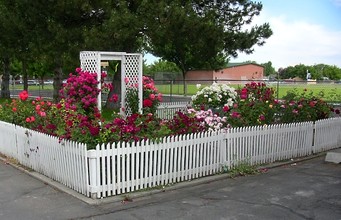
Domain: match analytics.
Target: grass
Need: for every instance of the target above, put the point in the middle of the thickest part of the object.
(242, 168)
(332, 92)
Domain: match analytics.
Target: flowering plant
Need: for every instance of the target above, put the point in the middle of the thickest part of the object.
(214, 96)
(184, 123)
(211, 121)
(254, 106)
(306, 106)
(25, 112)
(150, 99)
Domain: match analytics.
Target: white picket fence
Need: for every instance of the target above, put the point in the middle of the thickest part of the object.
(113, 169)
(62, 161)
(327, 134)
(166, 110)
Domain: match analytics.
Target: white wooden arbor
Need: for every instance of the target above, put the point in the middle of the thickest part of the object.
(131, 69)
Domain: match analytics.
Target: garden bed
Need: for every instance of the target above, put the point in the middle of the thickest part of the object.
(113, 169)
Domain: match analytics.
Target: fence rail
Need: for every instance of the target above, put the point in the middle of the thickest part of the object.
(113, 169)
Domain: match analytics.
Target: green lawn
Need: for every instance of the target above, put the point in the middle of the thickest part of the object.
(332, 92)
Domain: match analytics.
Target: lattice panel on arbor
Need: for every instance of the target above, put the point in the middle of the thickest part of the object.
(132, 79)
(89, 61)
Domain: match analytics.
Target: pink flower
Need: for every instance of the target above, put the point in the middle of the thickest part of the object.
(152, 96)
(235, 115)
(23, 95)
(114, 98)
(159, 97)
(126, 80)
(295, 111)
(42, 114)
(28, 120)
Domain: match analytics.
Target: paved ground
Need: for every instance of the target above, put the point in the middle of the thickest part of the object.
(307, 190)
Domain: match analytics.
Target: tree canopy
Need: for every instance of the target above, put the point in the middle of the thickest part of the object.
(202, 34)
(192, 34)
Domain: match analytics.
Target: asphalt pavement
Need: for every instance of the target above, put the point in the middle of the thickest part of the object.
(297, 190)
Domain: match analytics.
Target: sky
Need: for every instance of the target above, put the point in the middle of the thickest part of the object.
(304, 32)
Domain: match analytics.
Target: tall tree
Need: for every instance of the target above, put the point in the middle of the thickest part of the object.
(202, 33)
(121, 29)
(7, 47)
(268, 69)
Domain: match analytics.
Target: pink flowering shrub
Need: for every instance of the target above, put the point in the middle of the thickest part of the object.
(80, 90)
(302, 107)
(211, 121)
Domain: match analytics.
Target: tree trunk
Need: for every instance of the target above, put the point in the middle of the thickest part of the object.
(5, 93)
(116, 82)
(24, 72)
(57, 81)
(185, 83)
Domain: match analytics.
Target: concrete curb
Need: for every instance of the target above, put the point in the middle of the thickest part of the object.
(148, 192)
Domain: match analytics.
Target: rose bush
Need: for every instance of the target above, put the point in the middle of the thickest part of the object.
(215, 96)
(77, 118)
(295, 107)
(254, 106)
(151, 98)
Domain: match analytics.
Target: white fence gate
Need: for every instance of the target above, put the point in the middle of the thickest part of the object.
(166, 110)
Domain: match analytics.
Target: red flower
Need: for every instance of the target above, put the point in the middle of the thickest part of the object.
(312, 103)
(147, 103)
(261, 117)
(226, 108)
(243, 93)
(23, 95)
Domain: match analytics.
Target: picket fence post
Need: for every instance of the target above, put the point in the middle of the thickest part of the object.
(223, 148)
(92, 166)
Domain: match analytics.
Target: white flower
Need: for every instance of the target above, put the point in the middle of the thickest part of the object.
(198, 86)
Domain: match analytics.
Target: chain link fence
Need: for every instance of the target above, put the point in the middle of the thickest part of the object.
(329, 90)
(182, 90)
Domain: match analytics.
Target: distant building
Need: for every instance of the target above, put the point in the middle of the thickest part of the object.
(234, 71)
